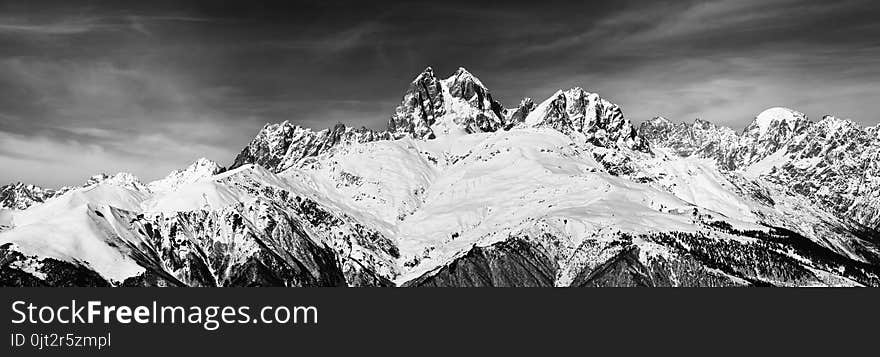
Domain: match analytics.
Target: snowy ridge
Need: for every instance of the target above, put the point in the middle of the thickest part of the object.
(581, 112)
(20, 196)
(122, 179)
(462, 192)
(200, 170)
(284, 145)
(775, 117)
(831, 162)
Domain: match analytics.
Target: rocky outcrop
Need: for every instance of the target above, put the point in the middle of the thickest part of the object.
(20, 196)
(200, 170)
(512, 263)
(517, 116)
(122, 179)
(699, 138)
(667, 259)
(278, 147)
(836, 163)
(578, 111)
(19, 270)
(432, 107)
(833, 162)
(422, 104)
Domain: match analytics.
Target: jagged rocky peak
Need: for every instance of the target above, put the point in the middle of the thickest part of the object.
(421, 106)
(829, 133)
(199, 170)
(579, 111)
(661, 129)
(122, 179)
(203, 164)
(700, 124)
(278, 147)
(834, 162)
(874, 131)
(659, 121)
(701, 137)
(21, 196)
(831, 125)
(657, 129)
(777, 123)
(457, 104)
(464, 85)
(516, 116)
(768, 133)
(661, 132)
(708, 131)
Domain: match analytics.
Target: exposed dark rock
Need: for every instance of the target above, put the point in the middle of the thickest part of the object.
(281, 146)
(54, 273)
(506, 264)
(20, 196)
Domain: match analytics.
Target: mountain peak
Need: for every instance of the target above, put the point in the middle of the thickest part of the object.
(516, 116)
(461, 78)
(830, 119)
(660, 121)
(457, 104)
(20, 196)
(426, 75)
(703, 124)
(461, 72)
(202, 161)
(199, 170)
(578, 111)
(121, 179)
(778, 116)
(278, 147)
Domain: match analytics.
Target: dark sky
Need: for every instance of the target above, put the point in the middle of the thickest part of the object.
(147, 86)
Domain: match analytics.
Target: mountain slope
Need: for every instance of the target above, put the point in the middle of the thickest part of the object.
(281, 146)
(200, 170)
(462, 192)
(832, 162)
(456, 198)
(20, 196)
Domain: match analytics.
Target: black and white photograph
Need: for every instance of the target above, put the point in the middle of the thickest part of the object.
(650, 144)
(153, 145)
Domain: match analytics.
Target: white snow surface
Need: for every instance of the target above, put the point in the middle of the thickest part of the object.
(698, 181)
(74, 234)
(200, 170)
(104, 193)
(766, 165)
(439, 198)
(435, 199)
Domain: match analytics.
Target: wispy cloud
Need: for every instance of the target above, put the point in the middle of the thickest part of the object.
(129, 119)
(336, 41)
(52, 162)
(68, 26)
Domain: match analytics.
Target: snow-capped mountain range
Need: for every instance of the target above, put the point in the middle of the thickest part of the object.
(461, 191)
(834, 162)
